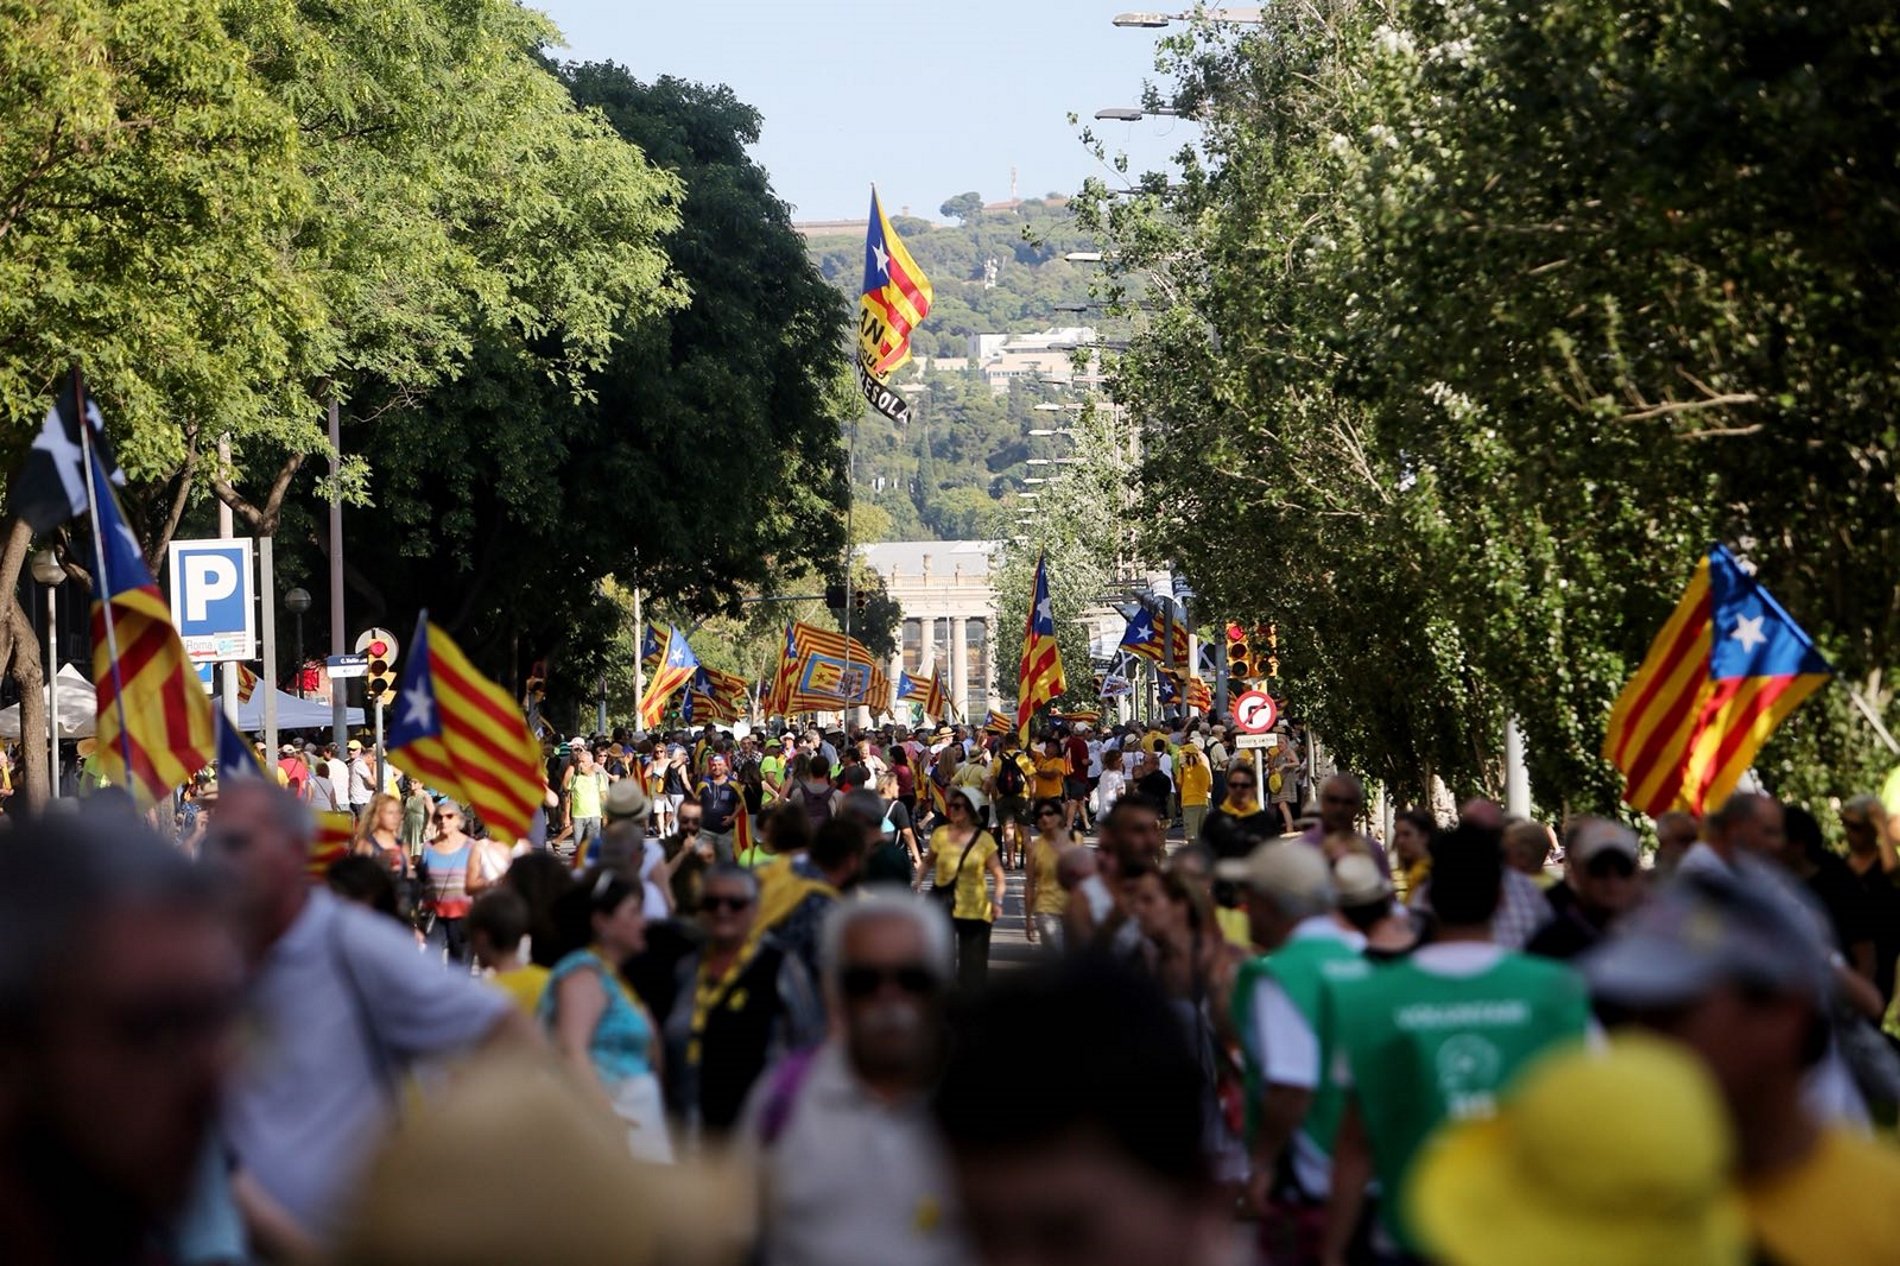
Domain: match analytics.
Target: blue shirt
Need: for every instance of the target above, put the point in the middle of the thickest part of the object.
(622, 1037)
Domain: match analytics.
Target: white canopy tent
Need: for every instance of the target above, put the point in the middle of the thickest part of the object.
(292, 713)
(77, 707)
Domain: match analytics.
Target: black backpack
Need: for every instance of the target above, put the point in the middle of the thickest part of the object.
(1009, 777)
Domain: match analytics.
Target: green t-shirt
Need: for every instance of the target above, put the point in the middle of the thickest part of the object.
(772, 770)
(1419, 1048)
(1303, 968)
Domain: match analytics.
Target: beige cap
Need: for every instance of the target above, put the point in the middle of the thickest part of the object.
(625, 800)
(1287, 867)
(1359, 882)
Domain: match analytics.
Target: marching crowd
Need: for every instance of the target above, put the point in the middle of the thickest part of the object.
(732, 1000)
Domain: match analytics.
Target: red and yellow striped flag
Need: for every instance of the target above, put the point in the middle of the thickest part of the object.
(1728, 667)
(335, 833)
(154, 727)
(1039, 678)
(461, 734)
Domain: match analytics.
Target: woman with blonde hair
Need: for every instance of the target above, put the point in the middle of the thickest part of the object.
(379, 834)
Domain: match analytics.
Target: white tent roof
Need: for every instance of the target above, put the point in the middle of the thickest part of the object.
(78, 707)
(292, 713)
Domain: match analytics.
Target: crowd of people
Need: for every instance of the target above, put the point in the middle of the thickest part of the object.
(731, 1000)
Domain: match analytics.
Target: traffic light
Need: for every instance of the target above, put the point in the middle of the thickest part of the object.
(860, 600)
(834, 597)
(1241, 662)
(379, 681)
(1271, 634)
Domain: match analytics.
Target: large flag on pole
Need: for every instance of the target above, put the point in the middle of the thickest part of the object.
(895, 300)
(937, 698)
(1140, 637)
(778, 700)
(461, 734)
(1039, 677)
(155, 727)
(1726, 670)
(675, 670)
(831, 672)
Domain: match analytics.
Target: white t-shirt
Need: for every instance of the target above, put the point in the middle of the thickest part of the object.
(1095, 758)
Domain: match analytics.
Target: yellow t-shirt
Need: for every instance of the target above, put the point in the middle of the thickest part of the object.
(1050, 898)
(973, 899)
(1840, 1205)
(1050, 771)
(1234, 927)
(1196, 782)
(524, 984)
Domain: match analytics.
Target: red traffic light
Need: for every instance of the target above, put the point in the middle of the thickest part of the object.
(377, 649)
(1236, 634)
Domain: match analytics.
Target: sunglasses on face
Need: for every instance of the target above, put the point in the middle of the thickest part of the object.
(862, 982)
(1603, 865)
(448, 817)
(1048, 813)
(713, 905)
(1240, 784)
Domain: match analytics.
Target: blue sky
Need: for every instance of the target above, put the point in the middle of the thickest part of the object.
(928, 99)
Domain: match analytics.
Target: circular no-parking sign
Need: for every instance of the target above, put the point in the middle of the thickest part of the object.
(1255, 712)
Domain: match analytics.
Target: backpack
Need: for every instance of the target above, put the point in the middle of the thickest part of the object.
(817, 808)
(1009, 778)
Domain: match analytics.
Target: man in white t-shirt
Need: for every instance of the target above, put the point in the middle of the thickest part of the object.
(362, 778)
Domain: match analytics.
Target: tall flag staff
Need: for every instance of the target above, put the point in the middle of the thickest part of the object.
(1039, 677)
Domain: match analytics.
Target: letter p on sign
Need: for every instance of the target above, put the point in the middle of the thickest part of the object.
(208, 578)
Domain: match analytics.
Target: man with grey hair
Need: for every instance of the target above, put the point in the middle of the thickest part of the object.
(339, 1002)
(1291, 1101)
(853, 1170)
(119, 989)
(1747, 825)
(1342, 798)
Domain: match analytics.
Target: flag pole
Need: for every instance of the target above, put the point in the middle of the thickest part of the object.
(99, 577)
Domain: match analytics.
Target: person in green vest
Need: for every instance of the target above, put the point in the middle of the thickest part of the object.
(1292, 1106)
(1435, 1037)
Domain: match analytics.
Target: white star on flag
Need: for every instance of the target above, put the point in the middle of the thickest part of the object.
(1748, 632)
(420, 712)
(883, 258)
(1044, 613)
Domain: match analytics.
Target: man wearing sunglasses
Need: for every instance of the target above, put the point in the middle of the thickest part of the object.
(1600, 872)
(741, 1005)
(851, 1163)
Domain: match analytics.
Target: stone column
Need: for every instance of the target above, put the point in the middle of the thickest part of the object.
(926, 636)
(960, 665)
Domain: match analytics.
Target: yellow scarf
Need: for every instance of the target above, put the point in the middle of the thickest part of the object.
(707, 993)
(1242, 808)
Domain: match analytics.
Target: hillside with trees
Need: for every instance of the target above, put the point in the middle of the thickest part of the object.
(958, 469)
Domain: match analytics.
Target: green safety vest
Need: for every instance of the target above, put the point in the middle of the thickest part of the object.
(1302, 968)
(1424, 1049)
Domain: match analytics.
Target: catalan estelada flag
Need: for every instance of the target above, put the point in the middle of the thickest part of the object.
(651, 647)
(1039, 677)
(461, 734)
(998, 722)
(1140, 637)
(675, 670)
(911, 689)
(1198, 695)
(155, 726)
(717, 696)
(778, 700)
(1727, 668)
(236, 759)
(895, 300)
(335, 833)
(937, 698)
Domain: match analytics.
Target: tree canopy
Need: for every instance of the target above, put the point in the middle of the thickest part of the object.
(1486, 321)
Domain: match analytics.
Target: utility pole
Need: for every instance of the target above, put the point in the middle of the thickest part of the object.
(339, 697)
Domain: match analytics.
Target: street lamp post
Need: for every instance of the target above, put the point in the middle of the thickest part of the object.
(297, 601)
(49, 573)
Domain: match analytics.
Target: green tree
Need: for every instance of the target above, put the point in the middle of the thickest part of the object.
(964, 207)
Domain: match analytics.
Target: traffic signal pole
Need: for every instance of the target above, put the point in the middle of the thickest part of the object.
(339, 696)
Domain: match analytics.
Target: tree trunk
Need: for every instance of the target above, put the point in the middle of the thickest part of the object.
(30, 677)
(20, 651)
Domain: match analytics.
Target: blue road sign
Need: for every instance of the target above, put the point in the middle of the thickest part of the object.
(214, 599)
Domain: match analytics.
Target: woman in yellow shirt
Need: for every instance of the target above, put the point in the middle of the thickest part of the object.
(1051, 768)
(960, 852)
(1044, 899)
(1194, 779)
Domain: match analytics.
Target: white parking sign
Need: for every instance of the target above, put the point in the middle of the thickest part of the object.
(214, 599)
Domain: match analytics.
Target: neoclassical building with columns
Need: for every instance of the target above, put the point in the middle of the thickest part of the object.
(949, 603)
